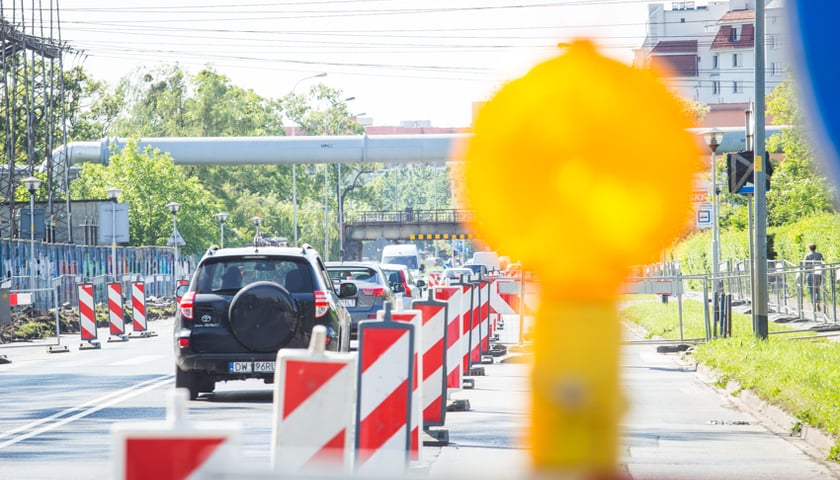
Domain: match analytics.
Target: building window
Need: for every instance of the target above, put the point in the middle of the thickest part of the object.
(772, 42)
(736, 59)
(775, 68)
(733, 34)
(737, 87)
(715, 87)
(715, 62)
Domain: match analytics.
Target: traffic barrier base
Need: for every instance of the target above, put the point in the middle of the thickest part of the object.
(4, 360)
(477, 371)
(487, 359)
(58, 349)
(90, 345)
(438, 437)
(118, 338)
(143, 334)
(460, 405)
(468, 383)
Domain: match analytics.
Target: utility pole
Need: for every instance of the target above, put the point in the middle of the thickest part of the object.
(759, 181)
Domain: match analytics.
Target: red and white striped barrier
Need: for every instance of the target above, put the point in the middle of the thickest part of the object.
(314, 392)
(433, 354)
(452, 296)
(175, 448)
(138, 311)
(87, 317)
(484, 315)
(471, 326)
(415, 318)
(116, 316)
(17, 299)
(383, 417)
(505, 297)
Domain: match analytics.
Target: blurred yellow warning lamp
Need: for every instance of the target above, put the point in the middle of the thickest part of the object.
(596, 167)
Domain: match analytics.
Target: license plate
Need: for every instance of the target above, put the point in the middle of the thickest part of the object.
(251, 367)
(348, 302)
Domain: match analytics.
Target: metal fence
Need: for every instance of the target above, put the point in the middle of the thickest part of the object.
(796, 292)
(42, 267)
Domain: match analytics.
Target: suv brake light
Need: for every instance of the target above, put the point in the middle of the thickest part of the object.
(322, 303)
(374, 291)
(186, 305)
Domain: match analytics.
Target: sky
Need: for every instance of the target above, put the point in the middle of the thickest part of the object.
(401, 60)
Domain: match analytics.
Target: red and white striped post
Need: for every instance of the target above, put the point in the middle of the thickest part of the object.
(433, 353)
(383, 404)
(176, 448)
(415, 318)
(116, 316)
(314, 392)
(138, 311)
(452, 296)
(87, 318)
(484, 316)
(472, 355)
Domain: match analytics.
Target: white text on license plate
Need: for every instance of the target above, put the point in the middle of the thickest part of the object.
(348, 302)
(251, 367)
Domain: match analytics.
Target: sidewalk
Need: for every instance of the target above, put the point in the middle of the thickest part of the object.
(677, 426)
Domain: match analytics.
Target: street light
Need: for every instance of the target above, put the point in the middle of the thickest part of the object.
(113, 194)
(32, 184)
(713, 139)
(257, 222)
(338, 187)
(294, 166)
(175, 239)
(222, 218)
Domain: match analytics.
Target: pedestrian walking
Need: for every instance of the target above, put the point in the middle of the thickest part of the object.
(813, 274)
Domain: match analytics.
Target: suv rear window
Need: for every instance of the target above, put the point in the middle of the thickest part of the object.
(231, 274)
(363, 274)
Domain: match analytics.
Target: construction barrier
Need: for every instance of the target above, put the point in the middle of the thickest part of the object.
(314, 392)
(433, 354)
(87, 317)
(415, 318)
(138, 308)
(452, 296)
(484, 316)
(470, 333)
(18, 299)
(383, 402)
(175, 448)
(116, 316)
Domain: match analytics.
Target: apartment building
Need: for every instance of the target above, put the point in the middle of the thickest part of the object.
(707, 50)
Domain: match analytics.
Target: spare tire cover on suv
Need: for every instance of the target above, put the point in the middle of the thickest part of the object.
(263, 316)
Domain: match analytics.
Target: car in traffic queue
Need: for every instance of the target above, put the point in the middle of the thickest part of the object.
(244, 304)
(455, 275)
(372, 289)
(402, 281)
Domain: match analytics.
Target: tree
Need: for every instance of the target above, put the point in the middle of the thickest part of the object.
(149, 180)
(799, 188)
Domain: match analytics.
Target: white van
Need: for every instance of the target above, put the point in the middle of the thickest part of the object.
(488, 259)
(404, 254)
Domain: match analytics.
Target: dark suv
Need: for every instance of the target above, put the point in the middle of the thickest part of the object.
(244, 304)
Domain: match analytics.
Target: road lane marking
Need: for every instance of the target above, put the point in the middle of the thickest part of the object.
(37, 427)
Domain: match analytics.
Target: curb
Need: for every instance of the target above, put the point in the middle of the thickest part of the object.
(769, 415)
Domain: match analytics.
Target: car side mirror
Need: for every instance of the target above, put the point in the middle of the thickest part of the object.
(181, 290)
(347, 289)
(421, 283)
(397, 288)
(422, 267)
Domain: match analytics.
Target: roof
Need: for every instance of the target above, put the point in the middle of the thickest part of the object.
(723, 39)
(675, 46)
(738, 16)
(251, 251)
(677, 65)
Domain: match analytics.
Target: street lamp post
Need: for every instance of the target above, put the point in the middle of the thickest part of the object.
(114, 194)
(257, 238)
(222, 218)
(176, 239)
(338, 186)
(713, 139)
(32, 184)
(294, 166)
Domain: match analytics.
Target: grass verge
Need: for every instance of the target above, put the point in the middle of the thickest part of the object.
(800, 376)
